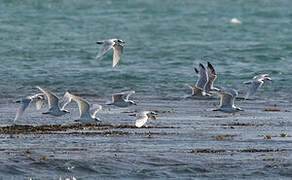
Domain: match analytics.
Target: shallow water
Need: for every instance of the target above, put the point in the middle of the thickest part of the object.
(52, 44)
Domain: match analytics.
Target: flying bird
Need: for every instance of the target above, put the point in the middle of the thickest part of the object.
(38, 99)
(211, 79)
(143, 118)
(53, 101)
(116, 44)
(84, 109)
(198, 89)
(256, 82)
(227, 101)
(122, 99)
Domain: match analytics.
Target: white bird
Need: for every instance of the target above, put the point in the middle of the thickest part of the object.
(198, 89)
(84, 109)
(122, 99)
(256, 82)
(143, 118)
(235, 21)
(116, 44)
(38, 99)
(227, 101)
(53, 101)
(211, 79)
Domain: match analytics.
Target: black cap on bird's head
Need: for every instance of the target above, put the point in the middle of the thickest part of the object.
(132, 102)
(120, 41)
(65, 111)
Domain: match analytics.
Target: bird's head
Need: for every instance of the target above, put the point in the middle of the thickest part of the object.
(268, 79)
(65, 111)
(97, 119)
(132, 102)
(119, 41)
(239, 109)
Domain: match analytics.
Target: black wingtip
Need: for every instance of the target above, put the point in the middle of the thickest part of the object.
(196, 70)
(201, 65)
(211, 67)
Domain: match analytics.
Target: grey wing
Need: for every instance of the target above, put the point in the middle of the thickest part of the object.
(67, 98)
(83, 105)
(118, 52)
(226, 100)
(107, 45)
(211, 78)
(211, 73)
(127, 94)
(117, 97)
(195, 90)
(22, 108)
(53, 100)
(39, 104)
(202, 80)
(142, 119)
(253, 88)
(98, 108)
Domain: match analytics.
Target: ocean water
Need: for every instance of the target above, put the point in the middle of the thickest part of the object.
(52, 44)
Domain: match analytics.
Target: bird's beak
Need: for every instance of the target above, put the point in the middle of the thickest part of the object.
(98, 42)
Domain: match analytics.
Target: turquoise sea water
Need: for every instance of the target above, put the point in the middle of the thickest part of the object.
(52, 44)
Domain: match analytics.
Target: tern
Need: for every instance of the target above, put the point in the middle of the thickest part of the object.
(38, 99)
(198, 89)
(211, 79)
(53, 101)
(116, 44)
(84, 109)
(143, 118)
(227, 101)
(122, 99)
(256, 82)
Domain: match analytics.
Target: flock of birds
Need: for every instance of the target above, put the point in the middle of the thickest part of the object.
(204, 88)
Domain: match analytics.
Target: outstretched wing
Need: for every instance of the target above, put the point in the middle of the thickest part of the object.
(53, 100)
(39, 104)
(107, 45)
(195, 90)
(98, 108)
(24, 104)
(253, 88)
(211, 77)
(117, 97)
(142, 119)
(83, 106)
(38, 99)
(67, 98)
(118, 52)
(202, 80)
(227, 98)
(127, 94)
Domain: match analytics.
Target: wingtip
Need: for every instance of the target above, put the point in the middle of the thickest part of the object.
(201, 65)
(210, 66)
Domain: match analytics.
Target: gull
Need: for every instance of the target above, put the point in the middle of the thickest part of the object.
(84, 109)
(198, 89)
(38, 99)
(53, 101)
(211, 79)
(116, 44)
(143, 117)
(122, 99)
(256, 82)
(227, 101)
